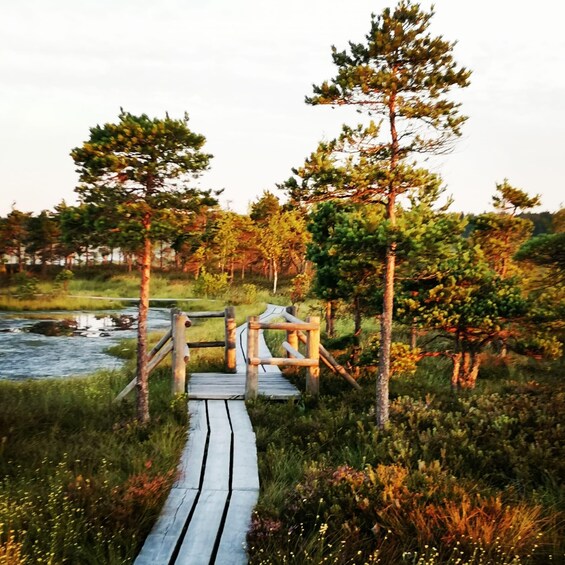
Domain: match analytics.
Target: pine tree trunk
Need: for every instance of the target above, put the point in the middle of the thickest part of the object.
(386, 340)
(468, 379)
(357, 316)
(142, 375)
(383, 376)
(455, 371)
(20, 260)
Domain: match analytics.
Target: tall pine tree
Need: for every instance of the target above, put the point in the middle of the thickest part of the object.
(137, 172)
(403, 74)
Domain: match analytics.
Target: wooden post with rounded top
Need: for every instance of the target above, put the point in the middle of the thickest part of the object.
(252, 374)
(230, 332)
(180, 353)
(313, 352)
(292, 335)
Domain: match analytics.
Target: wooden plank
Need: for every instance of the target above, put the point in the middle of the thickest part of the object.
(245, 473)
(290, 318)
(204, 344)
(284, 361)
(239, 417)
(160, 344)
(251, 381)
(217, 473)
(190, 466)
(152, 364)
(238, 521)
(165, 350)
(313, 352)
(221, 395)
(288, 326)
(198, 543)
(230, 340)
(292, 351)
(161, 542)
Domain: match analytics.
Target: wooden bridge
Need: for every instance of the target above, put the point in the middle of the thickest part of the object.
(208, 513)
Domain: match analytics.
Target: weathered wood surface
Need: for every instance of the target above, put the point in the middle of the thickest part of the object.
(208, 513)
(271, 383)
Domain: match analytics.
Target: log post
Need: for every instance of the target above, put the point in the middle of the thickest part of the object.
(230, 331)
(291, 335)
(252, 380)
(179, 351)
(313, 352)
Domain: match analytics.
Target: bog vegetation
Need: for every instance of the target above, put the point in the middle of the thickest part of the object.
(453, 324)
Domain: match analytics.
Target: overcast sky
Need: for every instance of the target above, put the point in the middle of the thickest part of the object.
(241, 69)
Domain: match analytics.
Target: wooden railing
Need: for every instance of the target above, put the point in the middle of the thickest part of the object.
(174, 341)
(326, 357)
(311, 328)
(297, 330)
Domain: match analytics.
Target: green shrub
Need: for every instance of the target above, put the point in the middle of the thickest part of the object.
(26, 286)
(211, 285)
(64, 277)
(243, 294)
(82, 482)
(476, 478)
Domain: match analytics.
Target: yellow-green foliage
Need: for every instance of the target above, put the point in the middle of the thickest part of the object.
(210, 285)
(403, 359)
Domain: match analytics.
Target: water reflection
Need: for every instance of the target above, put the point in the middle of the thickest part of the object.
(30, 349)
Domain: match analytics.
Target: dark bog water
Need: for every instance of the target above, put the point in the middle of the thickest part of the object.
(61, 344)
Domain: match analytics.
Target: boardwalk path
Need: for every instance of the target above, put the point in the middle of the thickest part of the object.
(208, 512)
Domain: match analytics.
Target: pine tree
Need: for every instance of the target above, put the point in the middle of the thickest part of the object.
(136, 171)
(402, 74)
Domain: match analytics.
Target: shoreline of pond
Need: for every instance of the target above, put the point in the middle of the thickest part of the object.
(79, 352)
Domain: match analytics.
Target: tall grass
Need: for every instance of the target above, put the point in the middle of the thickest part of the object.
(175, 287)
(81, 481)
(475, 478)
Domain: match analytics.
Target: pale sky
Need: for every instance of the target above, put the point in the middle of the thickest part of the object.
(241, 69)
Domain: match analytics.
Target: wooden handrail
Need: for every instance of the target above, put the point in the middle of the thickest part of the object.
(215, 314)
(160, 344)
(332, 364)
(288, 326)
(174, 341)
(204, 344)
(296, 359)
(291, 350)
(283, 361)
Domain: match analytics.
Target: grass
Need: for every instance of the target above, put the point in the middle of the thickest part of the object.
(81, 482)
(473, 479)
(469, 479)
(48, 295)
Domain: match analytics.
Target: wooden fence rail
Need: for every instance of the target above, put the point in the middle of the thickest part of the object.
(311, 360)
(326, 357)
(174, 341)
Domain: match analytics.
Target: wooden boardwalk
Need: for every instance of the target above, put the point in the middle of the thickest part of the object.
(231, 387)
(208, 512)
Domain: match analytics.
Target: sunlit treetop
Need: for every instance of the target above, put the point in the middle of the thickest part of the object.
(511, 200)
(401, 70)
(140, 159)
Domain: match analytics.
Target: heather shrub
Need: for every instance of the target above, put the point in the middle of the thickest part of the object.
(475, 478)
